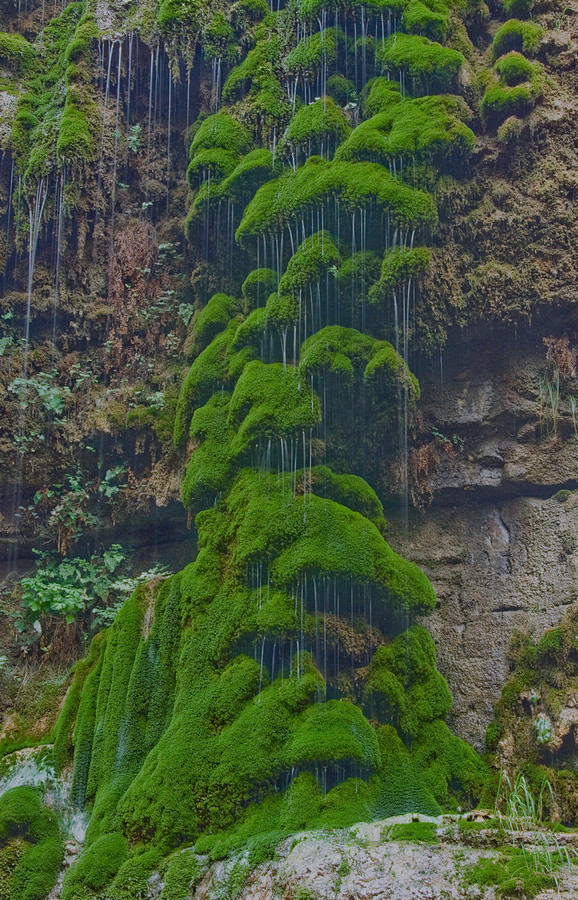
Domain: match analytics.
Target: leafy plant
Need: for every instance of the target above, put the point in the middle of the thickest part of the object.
(111, 484)
(42, 391)
(67, 587)
(134, 137)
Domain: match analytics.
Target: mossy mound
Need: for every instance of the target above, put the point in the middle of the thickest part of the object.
(516, 35)
(31, 846)
(430, 65)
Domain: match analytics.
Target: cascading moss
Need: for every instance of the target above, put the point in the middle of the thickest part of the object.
(280, 202)
(55, 123)
(279, 681)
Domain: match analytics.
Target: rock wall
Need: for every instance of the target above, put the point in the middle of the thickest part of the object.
(499, 540)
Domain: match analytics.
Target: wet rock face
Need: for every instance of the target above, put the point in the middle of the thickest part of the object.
(502, 554)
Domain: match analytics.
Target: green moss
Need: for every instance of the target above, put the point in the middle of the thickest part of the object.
(254, 74)
(516, 35)
(521, 9)
(221, 131)
(228, 178)
(343, 351)
(206, 375)
(33, 865)
(56, 120)
(258, 285)
(10, 853)
(403, 787)
(317, 128)
(209, 470)
(62, 732)
(404, 686)
(16, 53)
(425, 832)
(75, 137)
(311, 53)
(183, 12)
(96, 868)
(512, 874)
(378, 95)
(212, 162)
(182, 872)
(213, 319)
(355, 185)
(131, 880)
(421, 19)
(340, 89)
(205, 715)
(500, 101)
(430, 65)
(270, 402)
(349, 490)
(514, 68)
(414, 131)
(550, 644)
(311, 261)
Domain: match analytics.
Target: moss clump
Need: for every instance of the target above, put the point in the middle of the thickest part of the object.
(213, 319)
(514, 68)
(16, 53)
(311, 53)
(131, 880)
(258, 285)
(431, 66)
(516, 35)
(404, 685)
(255, 87)
(96, 868)
(181, 873)
(378, 95)
(225, 178)
(399, 266)
(520, 9)
(345, 351)
(216, 148)
(349, 490)
(340, 89)
(31, 845)
(311, 261)
(420, 18)
(501, 102)
(317, 128)
(419, 131)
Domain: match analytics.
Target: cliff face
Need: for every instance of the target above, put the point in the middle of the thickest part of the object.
(499, 538)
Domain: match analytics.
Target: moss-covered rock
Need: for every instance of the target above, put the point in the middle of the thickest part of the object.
(31, 845)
